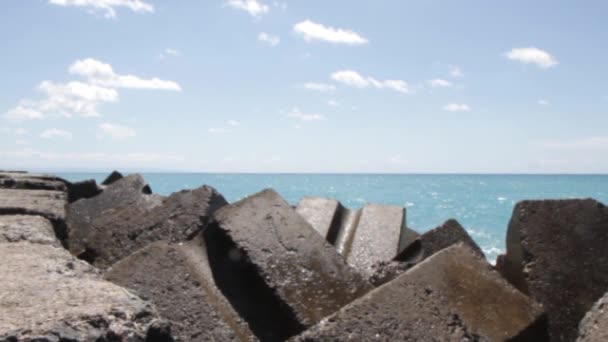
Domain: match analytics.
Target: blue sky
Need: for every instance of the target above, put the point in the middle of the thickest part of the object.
(304, 86)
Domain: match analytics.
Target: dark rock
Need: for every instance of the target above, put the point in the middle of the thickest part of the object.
(31, 181)
(385, 271)
(112, 177)
(33, 229)
(431, 242)
(121, 231)
(594, 326)
(455, 295)
(178, 281)
(83, 189)
(263, 253)
(556, 253)
(159, 331)
(377, 236)
(48, 295)
(129, 191)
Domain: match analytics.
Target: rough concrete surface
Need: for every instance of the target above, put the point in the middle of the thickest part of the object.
(34, 229)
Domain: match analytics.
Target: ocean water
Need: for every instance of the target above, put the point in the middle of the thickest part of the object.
(481, 203)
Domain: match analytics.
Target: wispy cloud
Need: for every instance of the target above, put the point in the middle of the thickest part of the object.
(104, 159)
(253, 7)
(322, 87)
(439, 83)
(597, 142)
(169, 52)
(333, 103)
(457, 107)
(234, 123)
(218, 130)
(56, 133)
(106, 7)
(297, 114)
(269, 39)
(354, 79)
(532, 55)
(456, 71)
(16, 131)
(116, 132)
(543, 103)
(77, 98)
(313, 31)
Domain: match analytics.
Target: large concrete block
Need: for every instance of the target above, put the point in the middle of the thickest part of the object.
(121, 231)
(31, 181)
(260, 245)
(594, 326)
(128, 191)
(47, 203)
(376, 237)
(323, 214)
(177, 279)
(33, 229)
(431, 242)
(455, 295)
(48, 295)
(556, 253)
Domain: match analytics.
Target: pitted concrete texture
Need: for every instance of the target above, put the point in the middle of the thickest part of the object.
(31, 181)
(48, 295)
(121, 231)
(556, 253)
(177, 279)
(594, 326)
(321, 213)
(47, 203)
(265, 236)
(452, 296)
(376, 237)
(131, 190)
(34, 229)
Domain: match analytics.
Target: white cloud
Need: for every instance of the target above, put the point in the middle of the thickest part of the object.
(100, 73)
(397, 159)
(21, 142)
(84, 158)
(107, 7)
(354, 79)
(439, 83)
(457, 107)
(169, 52)
(233, 123)
(83, 98)
(297, 114)
(269, 39)
(456, 72)
(313, 31)
(541, 58)
(116, 132)
(544, 103)
(322, 87)
(598, 142)
(280, 5)
(21, 113)
(56, 133)
(16, 131)
(333, 103)
(253, 7)
(218, 130)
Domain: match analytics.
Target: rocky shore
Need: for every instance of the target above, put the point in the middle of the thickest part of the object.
(116, 262)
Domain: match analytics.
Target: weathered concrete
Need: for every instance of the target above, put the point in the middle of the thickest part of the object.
(31, 181)
(323, 214)
(123, 230)
(48, 295)
(594, 326)
(261, 245)
(377, 236)
(452, 296)
(128, 191)
(34, 229)
(431, 242)
(556, 253)
(177, 279)
(46, 203)
(385, 271)
(112, 177)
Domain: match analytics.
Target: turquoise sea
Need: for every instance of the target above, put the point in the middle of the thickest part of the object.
(481, 203)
